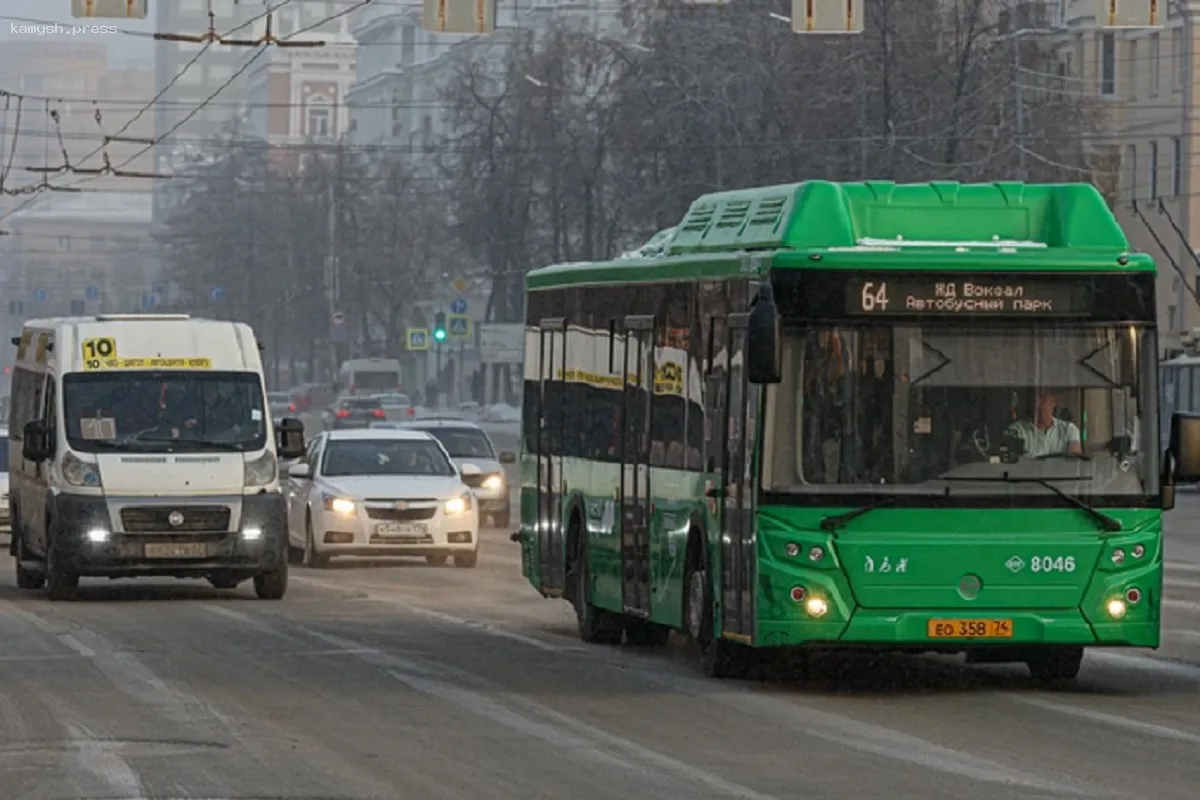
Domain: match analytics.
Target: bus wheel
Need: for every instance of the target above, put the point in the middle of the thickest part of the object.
(719, 658)
(596, 625)
(1053, 664)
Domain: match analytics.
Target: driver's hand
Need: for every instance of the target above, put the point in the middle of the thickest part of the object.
(174, 433)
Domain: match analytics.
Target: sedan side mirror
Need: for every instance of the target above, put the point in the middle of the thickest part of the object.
(470, 470)
(508, 457)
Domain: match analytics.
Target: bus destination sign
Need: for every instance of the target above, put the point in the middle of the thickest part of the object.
(955, 295)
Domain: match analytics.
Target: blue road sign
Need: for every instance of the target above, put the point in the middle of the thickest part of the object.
(458, 326)
(92, 293)
(218, 294)
(39, 295)
(148, 300)
(458, 306)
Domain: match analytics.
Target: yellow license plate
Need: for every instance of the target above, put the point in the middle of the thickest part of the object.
(176, 550)
(969, 629)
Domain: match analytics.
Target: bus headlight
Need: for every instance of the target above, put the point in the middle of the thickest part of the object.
(261, 471)
(78, 472)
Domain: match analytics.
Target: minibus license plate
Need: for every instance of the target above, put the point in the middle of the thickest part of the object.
(969, 629)
(176, 550)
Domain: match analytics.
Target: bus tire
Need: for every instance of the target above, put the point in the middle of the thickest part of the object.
(1055, 664)
(719, 657)
(596, 625)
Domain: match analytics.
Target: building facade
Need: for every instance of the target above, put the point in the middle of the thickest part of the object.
(71, 253)
(1146, 81)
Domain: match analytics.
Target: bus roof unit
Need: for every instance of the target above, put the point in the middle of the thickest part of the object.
(878, 225)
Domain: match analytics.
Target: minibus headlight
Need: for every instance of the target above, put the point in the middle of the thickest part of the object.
(261, 471)
(78, 472)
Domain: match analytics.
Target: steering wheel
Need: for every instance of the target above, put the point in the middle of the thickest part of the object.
(982, 442)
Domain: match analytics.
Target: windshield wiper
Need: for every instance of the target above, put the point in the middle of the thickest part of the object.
(232, 447)
(835, 521)
(1110, 524)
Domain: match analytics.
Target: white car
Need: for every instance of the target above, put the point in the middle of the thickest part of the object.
(376, 492)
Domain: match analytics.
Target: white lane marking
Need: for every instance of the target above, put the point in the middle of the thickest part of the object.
(1182, 605)
(105, 763)
(1179, 583)
(861, 736)
(564, 732)
(1113, 720)
(1182, 633)
(1181, 566)
(382, 596)
(1147, 663)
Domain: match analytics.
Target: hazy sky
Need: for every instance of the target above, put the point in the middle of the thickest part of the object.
(122, 49)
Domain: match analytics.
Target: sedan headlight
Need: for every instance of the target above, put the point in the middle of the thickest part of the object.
(493, 482)
(339, 505)
(78, 472)
(261, 471)
(459, 505)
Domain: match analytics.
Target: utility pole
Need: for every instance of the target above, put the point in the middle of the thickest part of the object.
(331, 261)
(1019, 109)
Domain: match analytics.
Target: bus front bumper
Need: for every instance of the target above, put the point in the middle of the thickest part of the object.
(955, 631)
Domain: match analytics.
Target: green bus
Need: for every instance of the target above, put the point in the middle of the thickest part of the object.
(917, 417)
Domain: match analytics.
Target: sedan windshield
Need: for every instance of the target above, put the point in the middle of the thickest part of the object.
(978, 410)
(385, 457)
(164, 411)
(463, 442)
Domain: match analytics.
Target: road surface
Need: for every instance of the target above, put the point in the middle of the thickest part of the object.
(397, 682)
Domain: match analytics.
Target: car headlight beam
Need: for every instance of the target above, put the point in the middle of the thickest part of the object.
(459, 505)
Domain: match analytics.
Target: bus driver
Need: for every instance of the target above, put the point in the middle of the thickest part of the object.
(1046, 434)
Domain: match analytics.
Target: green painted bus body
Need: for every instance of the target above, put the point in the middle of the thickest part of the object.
(764, 234)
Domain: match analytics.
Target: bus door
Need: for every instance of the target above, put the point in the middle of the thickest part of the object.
(552, 359)
(740, 412)
(638, 395)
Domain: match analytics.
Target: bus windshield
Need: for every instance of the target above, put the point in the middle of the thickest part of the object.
(164, 411)
(985, 409)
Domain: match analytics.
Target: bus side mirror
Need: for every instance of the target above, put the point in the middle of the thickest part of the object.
(1184, 448)
(36, 445)
(763, 354)
(289, 438)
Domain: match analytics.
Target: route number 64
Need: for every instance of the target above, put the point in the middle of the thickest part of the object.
(1052, 564)
(874, 296)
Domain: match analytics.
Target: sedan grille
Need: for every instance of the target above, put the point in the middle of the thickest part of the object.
(157, 518)
(401, 514)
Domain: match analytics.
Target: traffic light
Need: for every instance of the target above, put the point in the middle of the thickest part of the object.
(439, 327)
